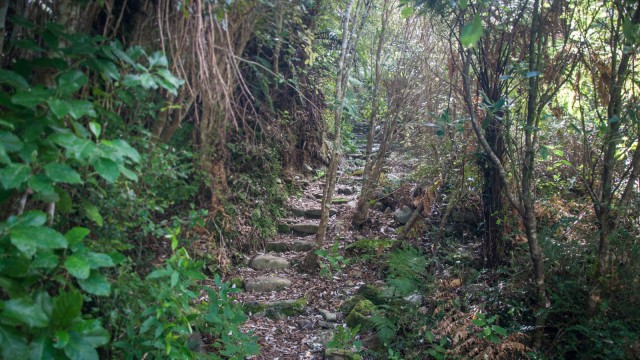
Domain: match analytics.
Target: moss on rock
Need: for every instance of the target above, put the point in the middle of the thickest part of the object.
(371, 293)
(360, 315)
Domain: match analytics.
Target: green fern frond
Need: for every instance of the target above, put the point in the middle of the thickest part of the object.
(386, 329)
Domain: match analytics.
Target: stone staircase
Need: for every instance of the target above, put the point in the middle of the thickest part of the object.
(294, 314)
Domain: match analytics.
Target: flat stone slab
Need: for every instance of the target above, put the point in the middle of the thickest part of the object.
(278, 246)
(328, 315)
(268, 262)
(305, 229)
(317, 213)
(266, 284)
(297, 211)
(302, 245)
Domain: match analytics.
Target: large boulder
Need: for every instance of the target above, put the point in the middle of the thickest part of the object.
(268, 262)
(266, 284)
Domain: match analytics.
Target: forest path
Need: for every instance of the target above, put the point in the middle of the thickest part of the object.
(294, 314)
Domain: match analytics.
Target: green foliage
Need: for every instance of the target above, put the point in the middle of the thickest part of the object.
(346, 339)
(335, 262)
(489, 330)
(471, 32)
(164, 315)
(406, 272)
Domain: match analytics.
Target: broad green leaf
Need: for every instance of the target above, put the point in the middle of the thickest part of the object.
(13, 175)
(58, 107)
(98, 260)
(62, 339)
(71, 81)
(76, 235)
(107, 168)
(4, 158)
(10, 142)
(175, 277)
(158, 59)
(544, 152)
(95, 284)
(80, 108)
(532, 74)
(30, 98)
(107, 68)
(77, 266)
(499, 330)
(471, 32)
(33, 218)
(13, 344)
(93, 214)
(126, 150)
(147, 82)
(66, 308)
(91, 332)
(41, 348)
(128, 173)
(41, 184)
(13, 79)
(25, 311)
(28, 238)
(95, 128)
(62, 173)
(45, 259)
(463, 4)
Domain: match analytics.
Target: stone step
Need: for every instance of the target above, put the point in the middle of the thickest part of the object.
(266, 284)
(268, 262)
(277, 309)
(305, 228)
(297, 245)
(316, 213)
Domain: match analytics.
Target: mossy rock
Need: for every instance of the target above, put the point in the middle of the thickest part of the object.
(238, 282)
(280, 309)
(284, 228)
(358, 172)
(371, 245)
(371, 293)
(253, 307)
(339, 201)
(360, 315)
(350, 303)
(341, 354)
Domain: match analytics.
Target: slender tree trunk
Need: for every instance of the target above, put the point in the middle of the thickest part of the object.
(603, 206)
(370, 180)
(311, 260)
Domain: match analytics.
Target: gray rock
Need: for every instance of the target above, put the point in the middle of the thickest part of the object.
(297, 211)
(305, 229)
(278, 246)
(328, 315)
(325, 325)
(302, 245)
(284, 228)
(317, 196)
(345, 191)
(317, 213)
(195, 343)
(340, 354)
(266, 284)
(268, 262)
(415, 299)
(403, 215)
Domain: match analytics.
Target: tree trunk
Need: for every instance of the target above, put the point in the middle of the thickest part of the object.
(311, 260)
(495, 246)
